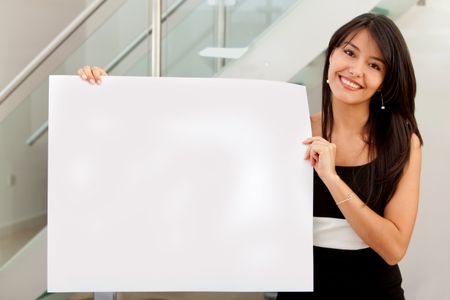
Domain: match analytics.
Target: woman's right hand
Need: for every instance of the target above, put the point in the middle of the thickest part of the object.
(91, 74)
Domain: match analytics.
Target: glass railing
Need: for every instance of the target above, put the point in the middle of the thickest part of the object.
(202, 28)
(23, 173)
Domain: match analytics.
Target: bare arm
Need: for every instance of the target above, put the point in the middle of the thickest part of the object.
(388, 235)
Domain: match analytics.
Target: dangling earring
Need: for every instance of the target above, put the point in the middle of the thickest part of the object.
(328, 81)
(382, 100)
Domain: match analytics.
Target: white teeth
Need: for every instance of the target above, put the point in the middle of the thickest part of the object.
(350, 84)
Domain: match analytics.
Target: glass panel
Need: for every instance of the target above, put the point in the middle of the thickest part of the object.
(23, 178)
(185, 33)
(100, 49)
(248, 19)
(184, 38)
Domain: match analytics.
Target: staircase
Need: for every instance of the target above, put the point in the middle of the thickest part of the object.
(273, 39)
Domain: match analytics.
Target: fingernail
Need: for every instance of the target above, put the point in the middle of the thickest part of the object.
(92, 81)
(83, 76)
(99, 81)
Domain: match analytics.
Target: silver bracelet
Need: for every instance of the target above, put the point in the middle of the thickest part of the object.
(348, 198)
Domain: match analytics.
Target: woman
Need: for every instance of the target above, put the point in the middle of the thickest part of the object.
(366, 153)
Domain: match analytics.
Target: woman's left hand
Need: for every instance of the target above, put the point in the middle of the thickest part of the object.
(321, 153)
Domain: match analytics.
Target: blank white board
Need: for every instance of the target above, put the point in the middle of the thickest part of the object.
(178, 184)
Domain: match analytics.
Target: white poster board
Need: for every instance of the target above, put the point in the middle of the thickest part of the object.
(171, 184)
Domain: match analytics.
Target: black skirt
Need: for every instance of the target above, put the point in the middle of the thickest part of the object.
(351, 274)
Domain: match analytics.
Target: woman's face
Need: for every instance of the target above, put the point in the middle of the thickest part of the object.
(357, 69)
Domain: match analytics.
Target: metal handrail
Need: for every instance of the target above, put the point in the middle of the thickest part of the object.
(156, 38)
(37, 134)
(221, 32)
(54, 44)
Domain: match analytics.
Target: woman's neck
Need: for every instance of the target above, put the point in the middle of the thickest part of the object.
(349, 119)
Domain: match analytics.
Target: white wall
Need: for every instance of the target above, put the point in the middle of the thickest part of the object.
(426, 268)
(27, 26)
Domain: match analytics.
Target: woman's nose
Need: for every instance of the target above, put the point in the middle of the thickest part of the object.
(356, 68)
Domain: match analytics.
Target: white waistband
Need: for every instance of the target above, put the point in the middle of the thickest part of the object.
(337, 234)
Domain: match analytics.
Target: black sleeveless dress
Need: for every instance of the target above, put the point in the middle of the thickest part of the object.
(340, 273)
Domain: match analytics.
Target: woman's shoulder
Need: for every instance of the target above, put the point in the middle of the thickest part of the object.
(415, 149)
(316, 124)
(416, 142)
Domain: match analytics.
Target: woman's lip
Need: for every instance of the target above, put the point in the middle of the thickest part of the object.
(347, 86)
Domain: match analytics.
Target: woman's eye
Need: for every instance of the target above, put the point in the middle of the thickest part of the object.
(349, 52)
(375, 66)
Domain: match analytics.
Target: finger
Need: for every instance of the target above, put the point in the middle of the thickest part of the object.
(314, 139)
(307, 141)
(319, 145)
(320, 142)
(318, 139)
(306, 157)
(324, 147)
(315, 151)
(81, 73)
(97, 72)
(310, 150)
(88, 72)
(314, 159)
(311, 154)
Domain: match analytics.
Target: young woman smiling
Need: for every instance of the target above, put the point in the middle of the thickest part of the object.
(366, 153)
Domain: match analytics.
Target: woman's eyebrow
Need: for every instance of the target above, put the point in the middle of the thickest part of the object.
(373, 57)
(353, 45)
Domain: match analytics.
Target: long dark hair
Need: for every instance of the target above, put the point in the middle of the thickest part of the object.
(388, 130)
